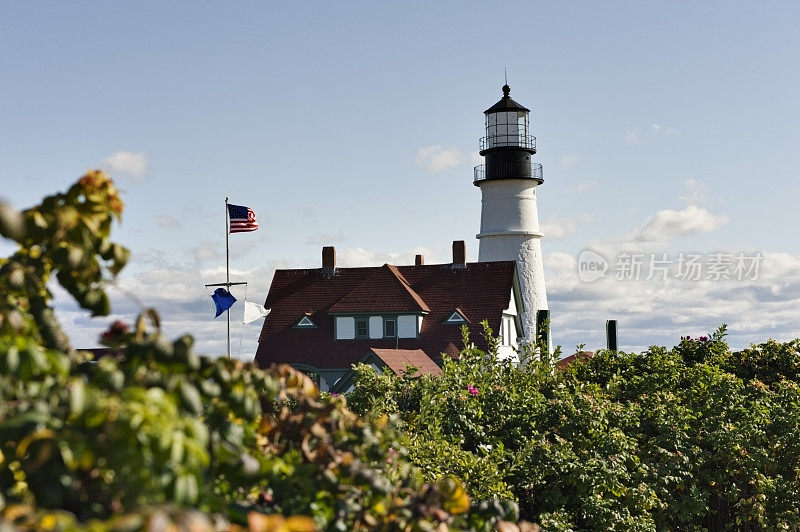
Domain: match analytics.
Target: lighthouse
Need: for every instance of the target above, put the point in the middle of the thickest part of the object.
(509, 215)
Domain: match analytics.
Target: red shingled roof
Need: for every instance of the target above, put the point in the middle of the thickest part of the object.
(398, 359)
(580, 356)
(481, 290)
(386, 290)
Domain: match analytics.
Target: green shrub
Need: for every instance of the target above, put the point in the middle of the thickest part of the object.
(694, 437)
(155, 436)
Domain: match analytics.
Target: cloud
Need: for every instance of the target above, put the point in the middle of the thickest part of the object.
(205, 251)
(695, 192)
(178, 293)
(437, 158)
(669, 223)
(167, 222)
(309, 214)
(358, 256)
(352, 257)
(126, 163)
(660, 304)
(555, 228)
(325, 239)
(569, 160)
(583, 186)
(654, 312)
(635, 135)
(658, 311)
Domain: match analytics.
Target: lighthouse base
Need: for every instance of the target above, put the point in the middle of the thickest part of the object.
(526, 249)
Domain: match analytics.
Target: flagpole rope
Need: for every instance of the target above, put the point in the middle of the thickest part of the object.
(241, 326)
(213, 321)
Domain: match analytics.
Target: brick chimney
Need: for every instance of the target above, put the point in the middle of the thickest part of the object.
(419, 260)
(459, 254)
(329, 258)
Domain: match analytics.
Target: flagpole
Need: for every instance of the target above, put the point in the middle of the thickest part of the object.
(228, 270)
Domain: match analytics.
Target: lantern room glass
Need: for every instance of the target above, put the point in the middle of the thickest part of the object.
(506, 128)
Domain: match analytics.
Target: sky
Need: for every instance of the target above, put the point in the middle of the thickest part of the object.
(668, 133)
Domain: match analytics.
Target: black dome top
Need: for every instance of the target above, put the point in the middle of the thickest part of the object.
(506, 103)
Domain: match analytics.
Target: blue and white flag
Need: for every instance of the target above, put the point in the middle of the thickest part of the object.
(223, 300)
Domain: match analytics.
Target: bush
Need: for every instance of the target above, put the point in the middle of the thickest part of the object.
(156, 436)
(685, 438)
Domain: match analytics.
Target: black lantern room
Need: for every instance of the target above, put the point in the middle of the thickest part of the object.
(508, 145)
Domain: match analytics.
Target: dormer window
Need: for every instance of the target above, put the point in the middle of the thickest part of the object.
(305, 323)
(362, 328)
(377, 326)
(389, 328)
(456, 318)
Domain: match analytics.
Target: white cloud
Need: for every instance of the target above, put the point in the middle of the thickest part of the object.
(695, 192)
(352, 257)
(358, 256)
(555, 228)
(205, 251)
(437, 158)
(569, 160)
(660, 311)
(634, 136)
(309, 214)
(126, 163)
(326, 239)
(649, 312)
(669, 223)
(167, 222)
(655, 308)
(583, 186)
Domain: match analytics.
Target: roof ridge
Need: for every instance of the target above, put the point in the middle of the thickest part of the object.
(404, 282)
(389, 274)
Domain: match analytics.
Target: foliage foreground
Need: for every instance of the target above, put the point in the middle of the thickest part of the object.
(692, 438)
(155, 437)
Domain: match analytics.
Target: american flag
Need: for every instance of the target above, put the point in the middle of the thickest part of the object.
(242, 219)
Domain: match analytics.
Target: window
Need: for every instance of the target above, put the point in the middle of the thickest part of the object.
(362, 328)
(389, 328)
(456, 317)
(305, 323)
(508, 331)
(377, 326)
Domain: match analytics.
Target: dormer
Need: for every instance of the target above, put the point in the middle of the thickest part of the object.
(382, 306)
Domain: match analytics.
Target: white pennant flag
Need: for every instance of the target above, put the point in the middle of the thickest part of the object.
(253, 311)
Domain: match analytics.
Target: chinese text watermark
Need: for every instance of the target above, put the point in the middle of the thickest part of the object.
(662, 266)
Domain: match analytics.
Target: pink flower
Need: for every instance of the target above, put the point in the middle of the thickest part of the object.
(392, 454)
(472, 389)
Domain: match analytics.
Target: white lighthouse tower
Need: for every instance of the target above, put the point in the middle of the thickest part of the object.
(509, 216)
